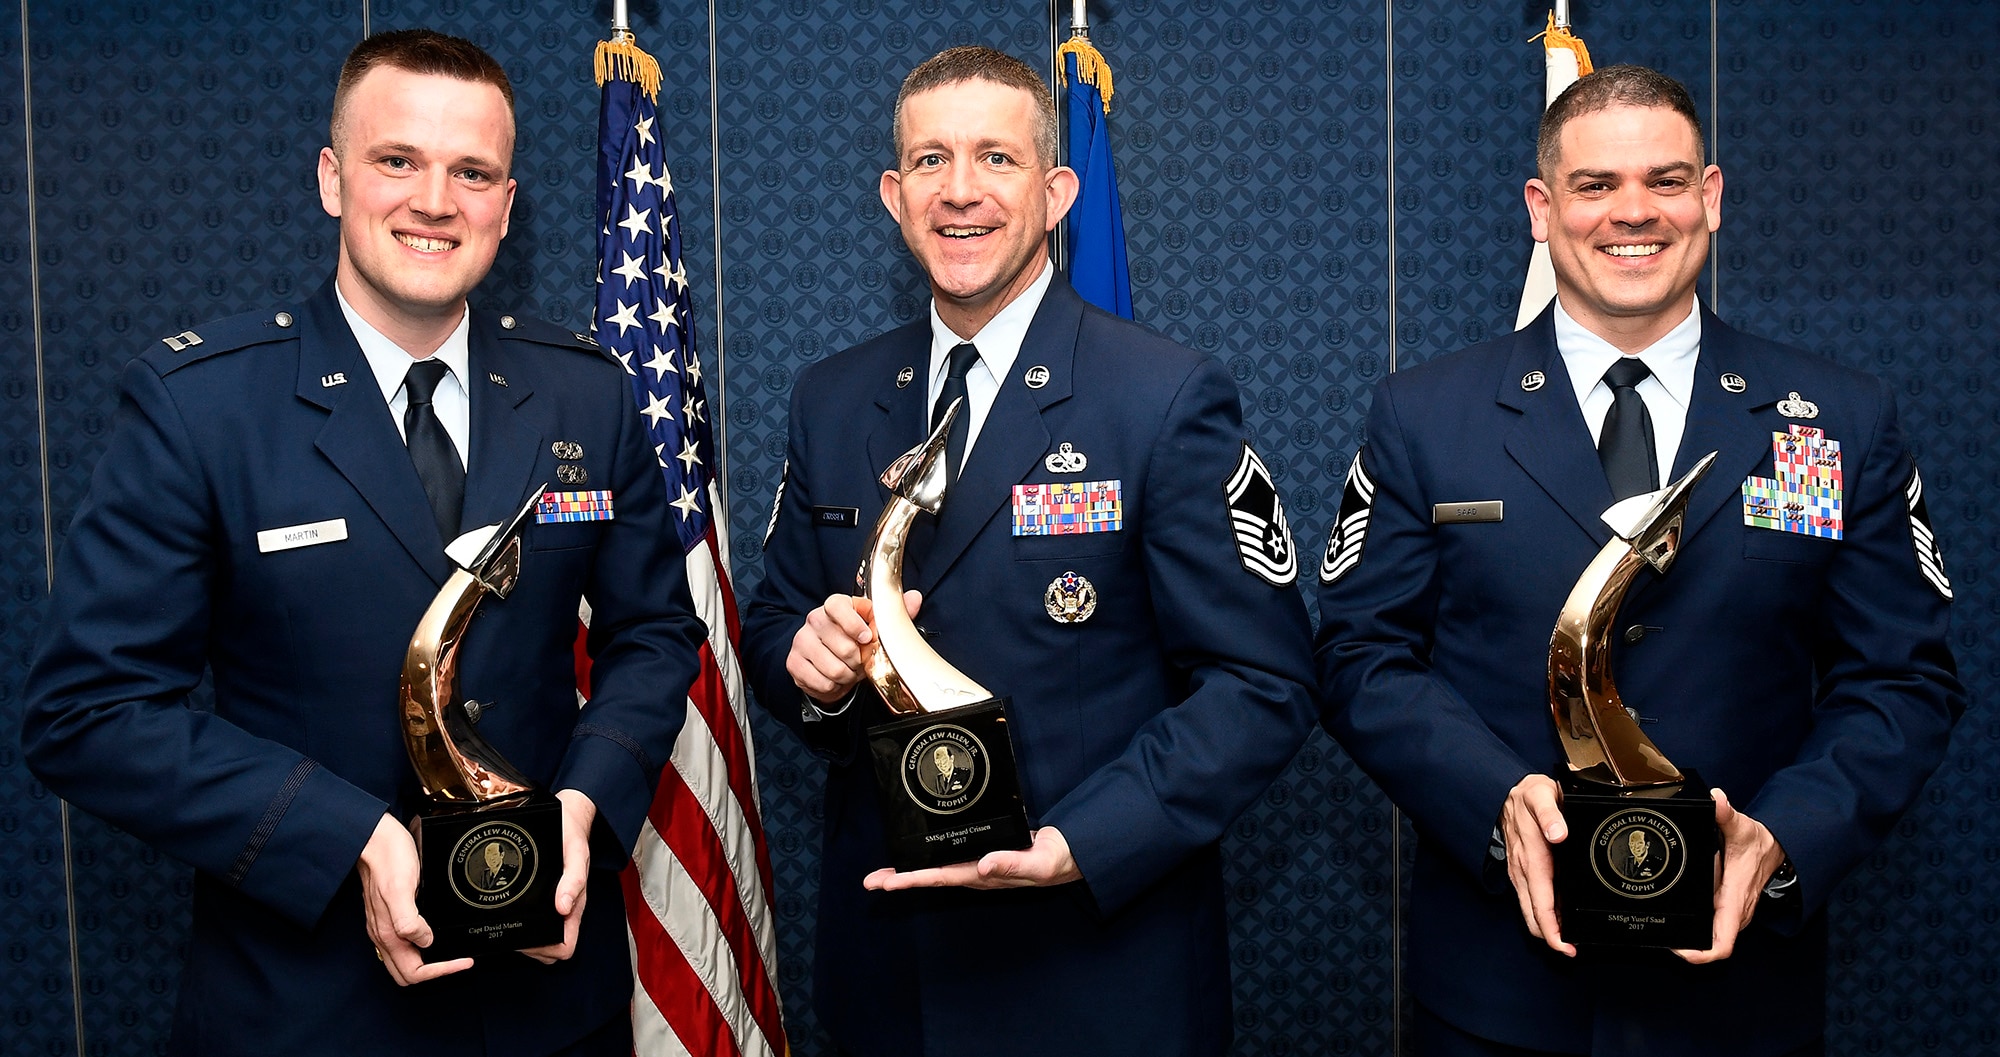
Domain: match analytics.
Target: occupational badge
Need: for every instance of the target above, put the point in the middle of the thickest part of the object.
(1803, 493)
(1930, 561)
(1350, 525)
(1070, 599)
(570, 473)
(1066, 460)
(1257, 518)
(1793, 407)
(566, 449)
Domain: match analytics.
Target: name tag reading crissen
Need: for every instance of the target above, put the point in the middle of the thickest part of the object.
(294, 536)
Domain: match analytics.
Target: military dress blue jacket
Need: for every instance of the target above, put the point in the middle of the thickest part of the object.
(1140, 732)
(1807, 676)
(274, 421)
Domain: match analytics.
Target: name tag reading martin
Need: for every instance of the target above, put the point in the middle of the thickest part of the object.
(294, 536)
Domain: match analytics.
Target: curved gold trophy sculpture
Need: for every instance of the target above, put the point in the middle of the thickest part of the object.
(490, 841)
(945, 773)
(909, 675)
(1639, 826)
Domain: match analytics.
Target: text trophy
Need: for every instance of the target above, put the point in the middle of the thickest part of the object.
(489, 840)
(945, 773)
(1637, 868)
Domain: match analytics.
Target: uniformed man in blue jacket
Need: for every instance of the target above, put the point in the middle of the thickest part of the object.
(273, 509)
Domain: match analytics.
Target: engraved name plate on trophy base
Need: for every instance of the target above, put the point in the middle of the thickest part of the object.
(489, 840)
(489, 876)
(1637, 868)
(945, 774)
(948, 786)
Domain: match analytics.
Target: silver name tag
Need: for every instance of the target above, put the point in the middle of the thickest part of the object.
(284, 539)
(1463, 513)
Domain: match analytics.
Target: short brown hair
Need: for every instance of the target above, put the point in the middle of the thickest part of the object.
(417, 51)
(1604, 89)
(977, 63)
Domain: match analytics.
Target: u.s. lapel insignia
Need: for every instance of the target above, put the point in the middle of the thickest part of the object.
(1793, 407)
(1930, 560)
(1803, 494)
(1350, 526)
(1066, 460)
(328, 381)
(497, 379)
(904, 377)
(1070, 599)
(566, 449)
(1734, 382)
(1533, 380)
(1036, 377)
(571, 473)
(1257, 519)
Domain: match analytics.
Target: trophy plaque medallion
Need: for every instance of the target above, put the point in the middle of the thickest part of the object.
(1637, 869)
(489, 840)
(944, 768)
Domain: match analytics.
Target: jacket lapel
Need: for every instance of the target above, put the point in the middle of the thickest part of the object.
(505, 445)
(1013, 437)
(359, 437)
(1725, 422)
(1551, 441)
(903, 420)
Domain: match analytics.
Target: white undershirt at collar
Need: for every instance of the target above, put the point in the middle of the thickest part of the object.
(999, 342)
(1667, 391)
(390, 364)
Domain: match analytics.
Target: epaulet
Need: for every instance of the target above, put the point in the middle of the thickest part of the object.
(523, 328)
(224, 335)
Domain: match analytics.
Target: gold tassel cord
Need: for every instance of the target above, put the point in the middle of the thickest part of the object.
(1561, 37)
(1091, 68)
(621, 58)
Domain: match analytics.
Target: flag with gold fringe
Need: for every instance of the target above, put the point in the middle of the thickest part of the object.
(1566, 60)
(1096, 224)
(698, 890)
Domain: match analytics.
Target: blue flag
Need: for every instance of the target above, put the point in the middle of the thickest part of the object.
(1096, 224)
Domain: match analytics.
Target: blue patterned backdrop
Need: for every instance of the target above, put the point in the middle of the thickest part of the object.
(1316, 192)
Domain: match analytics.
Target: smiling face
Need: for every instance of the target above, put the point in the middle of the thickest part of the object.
(1627, 210)
(423, 197)
(974, 201)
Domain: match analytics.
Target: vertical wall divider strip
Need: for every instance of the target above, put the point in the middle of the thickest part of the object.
(715, 238)
(48, 514)
(1395, 813)
(1059, 238)
(1715, 153)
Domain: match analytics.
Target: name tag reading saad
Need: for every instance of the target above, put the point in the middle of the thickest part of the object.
(284, 539)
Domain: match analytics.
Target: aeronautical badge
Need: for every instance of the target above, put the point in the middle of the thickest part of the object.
(1070, 599)
(1066, 460)
(777, 501)
(1930, 561)
(1350, 526)
(1793, 407)
(1257, 516)
(1803, 494)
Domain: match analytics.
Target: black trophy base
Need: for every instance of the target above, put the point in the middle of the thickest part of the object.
(1638, 867)
(948, 786)
(489, 876)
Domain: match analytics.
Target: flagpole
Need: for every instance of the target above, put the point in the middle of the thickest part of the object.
(1058, 240)
(1562, 13)
(621, 21)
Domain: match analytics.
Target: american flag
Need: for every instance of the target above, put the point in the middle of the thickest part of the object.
(698, 892)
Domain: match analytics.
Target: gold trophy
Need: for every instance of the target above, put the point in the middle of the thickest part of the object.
(1636, 870)
(945, 771)
(489, 840)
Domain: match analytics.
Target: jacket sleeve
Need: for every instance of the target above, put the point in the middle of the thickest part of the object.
(1409, 729)
(107, 720)
(1240, 645)
(645, 645)
(1887, 686)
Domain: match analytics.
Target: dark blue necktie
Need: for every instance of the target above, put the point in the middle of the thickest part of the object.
(962, 359)
(1625, 444)
(431, 449)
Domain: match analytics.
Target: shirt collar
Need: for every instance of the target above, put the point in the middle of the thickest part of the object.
(999, 341)
(390, 362)
(1671, 359)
